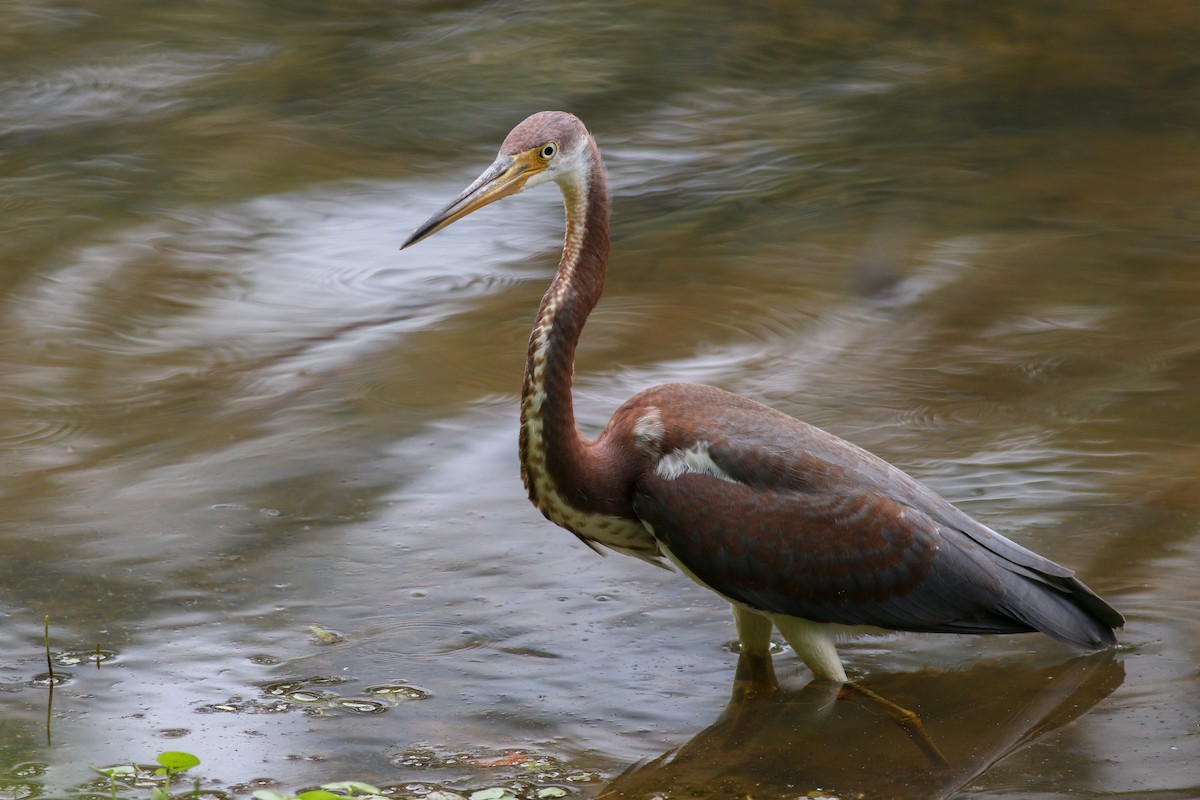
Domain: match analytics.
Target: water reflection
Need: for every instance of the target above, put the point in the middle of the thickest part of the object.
(810, 742)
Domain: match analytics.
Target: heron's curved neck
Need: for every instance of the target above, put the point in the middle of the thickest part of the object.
(554, 456)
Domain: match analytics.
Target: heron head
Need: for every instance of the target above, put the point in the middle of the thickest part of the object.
(548, 146)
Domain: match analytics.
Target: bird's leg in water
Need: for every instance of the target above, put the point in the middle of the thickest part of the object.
(755, 676)
(814, 643)
(906, 719)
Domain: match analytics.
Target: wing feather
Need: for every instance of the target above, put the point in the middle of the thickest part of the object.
(857, 558)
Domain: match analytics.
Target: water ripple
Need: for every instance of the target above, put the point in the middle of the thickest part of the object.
(26, 427)
(423, 640)
(117, 89)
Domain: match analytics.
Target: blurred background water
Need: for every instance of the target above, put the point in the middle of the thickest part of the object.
(964, 236)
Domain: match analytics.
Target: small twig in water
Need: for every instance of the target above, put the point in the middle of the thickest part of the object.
(49, 661)
(50, 681)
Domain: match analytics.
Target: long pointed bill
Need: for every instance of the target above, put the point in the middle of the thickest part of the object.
(505, 176)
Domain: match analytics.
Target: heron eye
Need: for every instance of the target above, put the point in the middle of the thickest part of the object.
(548, 150)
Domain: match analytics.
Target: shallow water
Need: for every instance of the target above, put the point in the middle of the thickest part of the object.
(963, 237)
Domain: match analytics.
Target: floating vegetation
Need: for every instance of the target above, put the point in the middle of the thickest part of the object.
(524, 775)
(50, 679)
(327, 791)
(360, 706)
(73, 658)
(239, 705)
(534, 776)
(397, 692)
(318, 696)
(20, 782)
(325, 636)
(66, 658)
(159, 781)
(288, 685)
(415, 791)
(15, 790)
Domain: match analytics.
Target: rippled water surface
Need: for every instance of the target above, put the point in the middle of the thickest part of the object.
(267, 463)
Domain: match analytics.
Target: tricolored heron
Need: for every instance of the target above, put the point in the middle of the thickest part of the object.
(795, 527)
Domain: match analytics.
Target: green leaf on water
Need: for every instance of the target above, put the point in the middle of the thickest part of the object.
(494, 793)
(175, 761)
(320, 794)
(272, 794)
(350, 787)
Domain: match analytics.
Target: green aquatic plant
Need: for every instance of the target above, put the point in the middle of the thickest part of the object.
(342, 790)
(113, 772)
(339, 790)
(126, 777)
(171, 763)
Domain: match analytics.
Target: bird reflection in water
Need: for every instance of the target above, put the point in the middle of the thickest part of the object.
(790, 743)
(795, 527)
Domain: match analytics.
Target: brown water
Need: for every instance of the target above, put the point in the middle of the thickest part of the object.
(965, 236)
